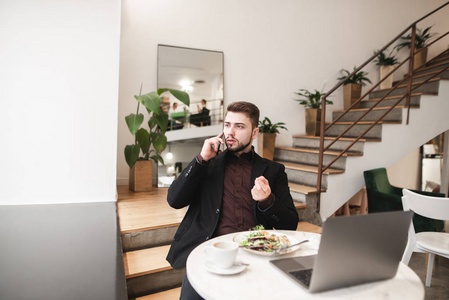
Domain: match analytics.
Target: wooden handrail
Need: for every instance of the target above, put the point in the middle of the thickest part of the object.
(408, 78)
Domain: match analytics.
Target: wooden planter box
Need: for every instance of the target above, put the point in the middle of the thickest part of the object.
(351, 93)
(265, 145)
(387, 83)
(141, 176)
(420, 58)
(313, 121)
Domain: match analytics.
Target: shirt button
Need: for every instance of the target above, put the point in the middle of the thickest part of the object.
(207, 237)
(217, 211)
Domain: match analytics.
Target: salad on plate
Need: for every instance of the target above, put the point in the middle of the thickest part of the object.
(264, 242)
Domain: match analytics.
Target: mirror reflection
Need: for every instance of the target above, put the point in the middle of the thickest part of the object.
(200, 74)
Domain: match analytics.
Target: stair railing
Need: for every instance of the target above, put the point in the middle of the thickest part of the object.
(408, 78)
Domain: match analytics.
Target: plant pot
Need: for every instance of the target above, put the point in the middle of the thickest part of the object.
(420, 58)
(387, 83)
(265, 145)
(313, 121)
(351, 93)
(141, 176)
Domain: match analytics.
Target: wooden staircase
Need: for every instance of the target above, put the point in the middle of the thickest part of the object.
(301, 160)
(147, 226)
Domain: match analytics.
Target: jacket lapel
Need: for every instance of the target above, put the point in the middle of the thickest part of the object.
(219, 170)
(258, 167)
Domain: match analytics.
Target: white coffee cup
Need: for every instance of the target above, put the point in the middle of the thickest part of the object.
(222, 254)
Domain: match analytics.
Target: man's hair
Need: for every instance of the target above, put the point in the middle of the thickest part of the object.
(247, 108)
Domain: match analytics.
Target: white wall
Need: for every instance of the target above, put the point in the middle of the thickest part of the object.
(59, 100)
(406, 172)
(271, 48)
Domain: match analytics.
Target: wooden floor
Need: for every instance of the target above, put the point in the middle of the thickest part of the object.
(148, 210)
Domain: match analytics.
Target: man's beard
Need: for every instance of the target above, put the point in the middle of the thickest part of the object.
(240, 148)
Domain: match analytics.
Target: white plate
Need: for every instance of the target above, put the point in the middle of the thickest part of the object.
(243, 235)
(235, 269)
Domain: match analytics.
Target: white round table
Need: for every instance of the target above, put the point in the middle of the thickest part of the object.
(261, 280)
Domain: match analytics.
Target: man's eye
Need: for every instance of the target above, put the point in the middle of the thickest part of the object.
(240, 126)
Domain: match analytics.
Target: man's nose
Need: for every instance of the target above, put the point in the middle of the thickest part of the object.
(230, 132)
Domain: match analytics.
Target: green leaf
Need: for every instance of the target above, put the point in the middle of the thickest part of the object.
(159, 141)
(132, 154)
(157, 157)
(143, 138)
(134, 121)
(152, 122)
(180, 95)
(151, 101)
(162, 121)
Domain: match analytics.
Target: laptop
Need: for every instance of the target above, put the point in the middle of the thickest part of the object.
(353, 250)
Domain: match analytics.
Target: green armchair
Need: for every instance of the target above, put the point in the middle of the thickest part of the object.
(382, 196)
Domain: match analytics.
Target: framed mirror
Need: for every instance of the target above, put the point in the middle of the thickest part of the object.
(200, 74)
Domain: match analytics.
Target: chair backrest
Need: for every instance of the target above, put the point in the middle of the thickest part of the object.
(431, 207)
(377, 179)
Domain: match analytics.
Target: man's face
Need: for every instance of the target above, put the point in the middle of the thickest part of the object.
(238, 132)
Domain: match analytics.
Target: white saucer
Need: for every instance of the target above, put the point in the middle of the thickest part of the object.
(235, 269)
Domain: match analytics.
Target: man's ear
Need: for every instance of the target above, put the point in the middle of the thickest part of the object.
(255, 133)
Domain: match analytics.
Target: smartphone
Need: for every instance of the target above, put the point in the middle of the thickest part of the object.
(219, 144)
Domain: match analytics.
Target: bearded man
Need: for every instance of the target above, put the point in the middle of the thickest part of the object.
(228, 191)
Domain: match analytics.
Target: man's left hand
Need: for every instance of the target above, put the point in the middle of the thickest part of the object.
(261, 190)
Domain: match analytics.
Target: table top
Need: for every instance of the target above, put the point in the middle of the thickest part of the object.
(261, 278)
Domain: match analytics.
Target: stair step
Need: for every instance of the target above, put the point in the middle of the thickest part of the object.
(172, 294)
(146, 261)
(374, 133)
(303, 189)
(435, 66)
(309, 168)
(308, 157)
(366, 122)
(391, 100)
(333, 138)
(443, 75)
(146, 219)
(316, 151)
(394, 115)
(146, 210)
(148, 272)
(429, 87)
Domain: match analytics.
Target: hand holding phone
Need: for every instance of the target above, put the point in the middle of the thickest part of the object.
(211, 147)
(219, 143)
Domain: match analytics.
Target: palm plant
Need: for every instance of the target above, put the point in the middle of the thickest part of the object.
(153, 141)
(312, 100)
(422, 37)
(266, 126)
(384, 59)
(357, 78)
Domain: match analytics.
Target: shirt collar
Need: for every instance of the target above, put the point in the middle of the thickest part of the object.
(248, 155)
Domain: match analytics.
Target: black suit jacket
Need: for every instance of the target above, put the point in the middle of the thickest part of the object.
(201, 187)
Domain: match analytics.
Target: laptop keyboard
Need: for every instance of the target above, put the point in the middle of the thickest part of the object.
(303, 275)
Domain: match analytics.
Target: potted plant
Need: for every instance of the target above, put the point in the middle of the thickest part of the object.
(312, 104)
(422, 38)
(148, 143)
(267, 137)
(352, 88)
(386, 65)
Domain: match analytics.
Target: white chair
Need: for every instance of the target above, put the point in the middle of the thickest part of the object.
(433, 243)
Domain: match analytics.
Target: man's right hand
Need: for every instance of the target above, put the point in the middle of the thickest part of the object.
(210, 147)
